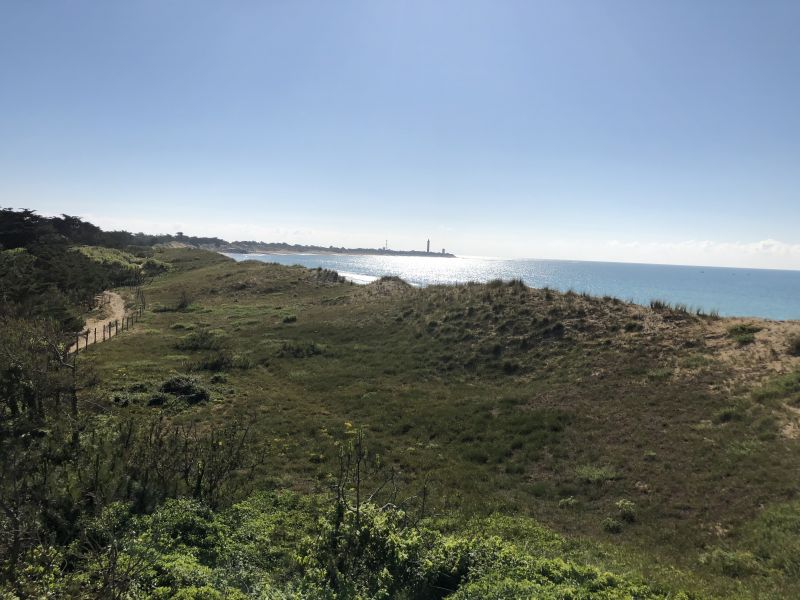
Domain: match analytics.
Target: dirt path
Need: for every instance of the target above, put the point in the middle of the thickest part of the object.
(112, 308)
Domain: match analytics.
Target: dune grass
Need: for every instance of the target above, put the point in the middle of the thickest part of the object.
(510, 400)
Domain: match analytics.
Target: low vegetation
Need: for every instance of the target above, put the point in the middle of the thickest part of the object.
(744, 333)
(275, 432)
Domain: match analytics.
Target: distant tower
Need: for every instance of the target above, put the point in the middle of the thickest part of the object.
(442, 250)
(429, 246)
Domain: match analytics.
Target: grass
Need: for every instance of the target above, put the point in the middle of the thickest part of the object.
(595, 475)
(509, 400)
(744, 333)
(794, 345)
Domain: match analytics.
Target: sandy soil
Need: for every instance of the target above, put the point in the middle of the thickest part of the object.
(767, 357)
(112, 309)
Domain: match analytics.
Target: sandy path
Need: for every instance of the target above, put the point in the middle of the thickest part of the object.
(113, 309)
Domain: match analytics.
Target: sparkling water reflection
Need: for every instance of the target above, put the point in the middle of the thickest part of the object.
(732, 292)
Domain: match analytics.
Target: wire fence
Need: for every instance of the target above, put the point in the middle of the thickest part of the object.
(105, 330)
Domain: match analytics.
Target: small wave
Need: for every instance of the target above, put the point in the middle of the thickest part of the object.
(358, 278)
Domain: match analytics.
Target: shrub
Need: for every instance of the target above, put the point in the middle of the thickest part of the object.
(184, 301)
(785, 388)
(743, 333)
(611, 525)
(595, 475)
(182, 304)
(774, 537)
(138, 387)
(659, 305)
(186, 388)
(222, 361)
(731, 563)
(627, 510)
(158, 399)
(568, 502)
(199, 340)
(290, 319)
(328, 276)
(151, 267)
(794, 345)
(728, 414)
(299, 350)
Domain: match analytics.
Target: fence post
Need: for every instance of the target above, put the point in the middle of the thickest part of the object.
(116, 327)
(95, 335)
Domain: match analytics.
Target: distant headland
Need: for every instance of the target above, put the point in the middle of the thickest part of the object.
(250, 247)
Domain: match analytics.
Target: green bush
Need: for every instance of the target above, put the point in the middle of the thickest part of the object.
(568, 502)
(186, 388)
(627, 510)
(595, 475)
(611, 525)
(222, 360)
(743, 333)
(731, 563)
(199, 340)
(783, 388)
(774, 538)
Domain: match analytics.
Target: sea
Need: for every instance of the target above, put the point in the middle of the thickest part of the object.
(770, 294)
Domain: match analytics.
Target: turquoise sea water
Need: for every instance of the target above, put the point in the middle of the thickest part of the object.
(733, 292)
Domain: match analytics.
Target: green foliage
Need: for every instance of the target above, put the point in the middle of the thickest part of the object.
(626, 510)
(128, 266)
(773, 538)
(286, 545)
(200, 340)
(568, 502)
(743, 333)
(169, 483)
(300, 350)
(595, 474)
(221, 360)
(735, 563)
(612, 525)
(783, 388)
(186, 388)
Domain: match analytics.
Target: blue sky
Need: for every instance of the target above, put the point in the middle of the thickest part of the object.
(639, 131)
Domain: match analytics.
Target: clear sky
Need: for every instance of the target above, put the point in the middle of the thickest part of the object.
(615, 130)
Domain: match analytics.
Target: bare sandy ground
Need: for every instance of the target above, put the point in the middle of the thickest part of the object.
(112, 309)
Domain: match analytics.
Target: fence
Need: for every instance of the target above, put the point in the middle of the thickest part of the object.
(113, 327)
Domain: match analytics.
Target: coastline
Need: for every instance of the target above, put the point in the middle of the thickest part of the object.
(285, 249)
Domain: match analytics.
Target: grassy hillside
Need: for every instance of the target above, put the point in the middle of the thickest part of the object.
(663, 444)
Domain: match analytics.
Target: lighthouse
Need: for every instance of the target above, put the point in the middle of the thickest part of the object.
(429, 246)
